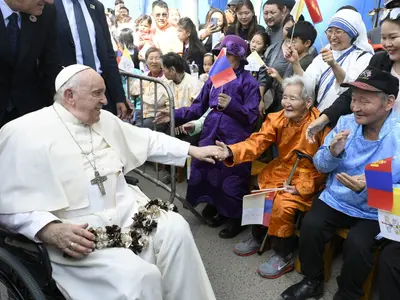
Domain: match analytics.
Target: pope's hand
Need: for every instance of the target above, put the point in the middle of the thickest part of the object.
(223, 100)
(327, 56)
(184, 129)
(356, 183)
(223, 151)
(339, 142)
(162, 117)
(315, 127)
(207, 153)
(73, 240)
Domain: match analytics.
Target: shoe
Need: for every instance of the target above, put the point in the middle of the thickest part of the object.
(233, 229)
(276, 266)
(209, 211)
(216, 221)
(338, 296)
(212, 216)
(247, 247)
(303, 290)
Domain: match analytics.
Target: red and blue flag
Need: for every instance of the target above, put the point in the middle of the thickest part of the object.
(221, 72)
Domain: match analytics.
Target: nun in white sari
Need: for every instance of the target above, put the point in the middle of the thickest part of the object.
(346, 56)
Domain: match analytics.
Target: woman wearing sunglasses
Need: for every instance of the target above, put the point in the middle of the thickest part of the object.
(387, 61)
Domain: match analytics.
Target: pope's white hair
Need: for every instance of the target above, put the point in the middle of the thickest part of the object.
(71, 83)
(303, 81)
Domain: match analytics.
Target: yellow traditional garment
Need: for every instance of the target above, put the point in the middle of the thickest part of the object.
(288, 136)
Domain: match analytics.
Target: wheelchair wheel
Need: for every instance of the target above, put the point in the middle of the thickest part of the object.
(16, 283)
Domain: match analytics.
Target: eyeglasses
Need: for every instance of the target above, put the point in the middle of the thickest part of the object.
(338, 32)
(159, 16)
(393, 14)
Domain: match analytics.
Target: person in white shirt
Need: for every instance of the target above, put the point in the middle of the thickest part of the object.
(65, 168)
(165, 35)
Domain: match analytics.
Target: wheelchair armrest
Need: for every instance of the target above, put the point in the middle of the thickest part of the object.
(131, 180)
(15, 236)
(32, 255)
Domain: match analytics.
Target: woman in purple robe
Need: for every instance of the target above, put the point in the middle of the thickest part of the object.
(232, 119)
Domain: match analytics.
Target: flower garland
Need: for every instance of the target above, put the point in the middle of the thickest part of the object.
(136, 239)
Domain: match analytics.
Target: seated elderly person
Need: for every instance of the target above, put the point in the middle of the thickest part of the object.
(287, 129)
(370, 134)
(185, 87)
(65, 166)
(148, 96)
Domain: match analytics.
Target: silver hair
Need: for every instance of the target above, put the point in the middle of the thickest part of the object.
(384, 97)
(70, 84)
(306, 91)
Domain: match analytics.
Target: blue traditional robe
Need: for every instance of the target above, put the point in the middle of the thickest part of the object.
(217, 184)
(357, 154)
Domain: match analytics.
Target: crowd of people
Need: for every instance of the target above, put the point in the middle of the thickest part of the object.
(65, 114)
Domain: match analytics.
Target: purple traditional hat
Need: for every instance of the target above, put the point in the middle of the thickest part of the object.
(234, 45)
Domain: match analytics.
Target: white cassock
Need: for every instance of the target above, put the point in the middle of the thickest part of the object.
(48, 178)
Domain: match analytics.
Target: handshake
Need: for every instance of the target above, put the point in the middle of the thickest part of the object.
(210, 154)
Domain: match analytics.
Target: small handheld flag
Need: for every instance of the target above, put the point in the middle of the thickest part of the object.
(297, 10)
(257, 208)
(380, 184)
(221, 72)
(119, 53)
(314, 10)
(383, 196)
(255, 62)
(126, 64)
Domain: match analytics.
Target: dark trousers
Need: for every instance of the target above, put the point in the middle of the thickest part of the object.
(7, 116)
(282, 246)
(389, 272)
(318, 227)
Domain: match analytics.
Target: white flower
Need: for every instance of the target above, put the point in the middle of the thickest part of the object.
(126, 239)
(144, 242)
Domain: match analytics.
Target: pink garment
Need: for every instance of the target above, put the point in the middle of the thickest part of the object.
(142, 38)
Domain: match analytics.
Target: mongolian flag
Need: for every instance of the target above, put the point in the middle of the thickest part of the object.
(221, 72)
(380, 184)
(257, 208)
(315, 12)
(120, 52)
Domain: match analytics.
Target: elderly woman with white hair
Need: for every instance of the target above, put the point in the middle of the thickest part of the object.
(287, 130)
(346, 56)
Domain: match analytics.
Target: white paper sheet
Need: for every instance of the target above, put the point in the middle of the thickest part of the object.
(253, 209)
(389, 225)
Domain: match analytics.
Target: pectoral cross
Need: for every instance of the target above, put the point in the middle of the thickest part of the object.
(99, 181)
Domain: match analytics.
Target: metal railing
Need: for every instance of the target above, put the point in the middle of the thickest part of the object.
(171, 189)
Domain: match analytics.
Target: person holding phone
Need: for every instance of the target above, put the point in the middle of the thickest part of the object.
(214, 31)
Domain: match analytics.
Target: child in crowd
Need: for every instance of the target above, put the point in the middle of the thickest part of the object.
(304, 35)
(259, 43)
(144, 36)
(208, 61)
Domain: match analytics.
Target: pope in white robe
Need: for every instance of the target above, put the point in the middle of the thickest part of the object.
(51, 157)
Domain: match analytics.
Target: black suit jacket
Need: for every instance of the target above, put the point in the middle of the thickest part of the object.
(105, 51)
(29, 82)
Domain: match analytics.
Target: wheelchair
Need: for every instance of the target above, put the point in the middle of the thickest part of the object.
(25, 268)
